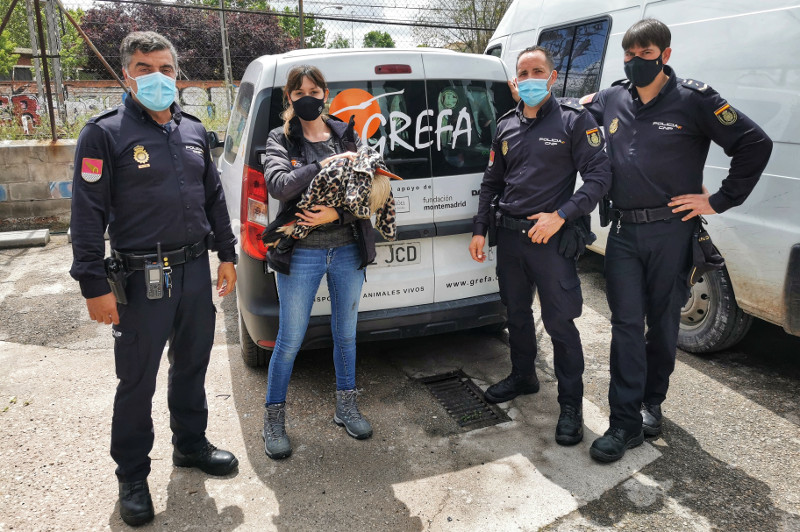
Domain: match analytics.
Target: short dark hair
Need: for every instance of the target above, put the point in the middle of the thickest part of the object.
(647, 32)
(548, 55)
(145, 42)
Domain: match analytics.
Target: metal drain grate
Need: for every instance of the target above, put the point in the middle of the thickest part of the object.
(463, 400)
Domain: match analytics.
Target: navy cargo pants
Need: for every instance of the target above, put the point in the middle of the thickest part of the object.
(521, 267)
(187, 320)
(646, 267)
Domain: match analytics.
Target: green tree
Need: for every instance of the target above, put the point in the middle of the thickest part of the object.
(378, 39)
(314, 31)
(458, 20)
(339, 41)
(7, 56)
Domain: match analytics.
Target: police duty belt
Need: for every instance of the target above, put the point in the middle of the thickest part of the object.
(135, 261)
(642, 216)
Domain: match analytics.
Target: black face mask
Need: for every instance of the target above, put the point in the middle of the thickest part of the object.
(308, 108)
(642, 72)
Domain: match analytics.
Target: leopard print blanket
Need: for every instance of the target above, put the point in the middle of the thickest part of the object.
(347, 184)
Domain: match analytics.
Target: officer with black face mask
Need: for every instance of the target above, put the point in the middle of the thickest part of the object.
(658, 130)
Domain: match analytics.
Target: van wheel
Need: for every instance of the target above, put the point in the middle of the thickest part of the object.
(252, 354)
(711, 320)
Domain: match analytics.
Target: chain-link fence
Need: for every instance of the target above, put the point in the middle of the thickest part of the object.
(215, 39)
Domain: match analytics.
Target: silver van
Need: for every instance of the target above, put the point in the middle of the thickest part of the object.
(750, 53)
(432, 114)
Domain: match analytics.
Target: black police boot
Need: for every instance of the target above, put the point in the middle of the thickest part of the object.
(510, 387)
(209, 459)
(569, 429)
(651, 420)
(612, 445)
(135, 504)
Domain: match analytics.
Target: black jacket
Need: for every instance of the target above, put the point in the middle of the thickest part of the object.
(149, 185)
(288, 172)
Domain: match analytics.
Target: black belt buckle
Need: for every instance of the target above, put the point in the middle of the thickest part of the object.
(640, 216)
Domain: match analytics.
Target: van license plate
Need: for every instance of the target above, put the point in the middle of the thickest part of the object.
(397, 254)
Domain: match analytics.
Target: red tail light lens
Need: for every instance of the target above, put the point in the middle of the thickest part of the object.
(253, 213)
(393, 69)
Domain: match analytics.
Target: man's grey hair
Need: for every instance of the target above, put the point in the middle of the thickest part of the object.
(145, 42)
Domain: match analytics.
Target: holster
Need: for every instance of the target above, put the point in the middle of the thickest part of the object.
(494, 218)
(604, 210)
(117, 278)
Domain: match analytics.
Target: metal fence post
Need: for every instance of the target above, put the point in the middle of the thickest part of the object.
(54, 43)
(226, 56)
(37, 65)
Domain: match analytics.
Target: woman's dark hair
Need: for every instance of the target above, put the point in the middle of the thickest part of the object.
(294, 80)
(647, 32)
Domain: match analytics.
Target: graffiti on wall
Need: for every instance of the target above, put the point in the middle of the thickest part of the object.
(24, 110)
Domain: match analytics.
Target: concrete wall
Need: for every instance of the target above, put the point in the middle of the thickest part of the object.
(35, 183)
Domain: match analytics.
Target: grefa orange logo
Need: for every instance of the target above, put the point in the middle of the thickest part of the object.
(442, 128)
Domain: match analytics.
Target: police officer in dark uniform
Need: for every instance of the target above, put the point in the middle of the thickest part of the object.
(658, 129)
(144, 170)
(538, 148)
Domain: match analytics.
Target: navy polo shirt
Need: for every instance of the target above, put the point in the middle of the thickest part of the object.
(534, 162)
(658, 150)
(148, 184)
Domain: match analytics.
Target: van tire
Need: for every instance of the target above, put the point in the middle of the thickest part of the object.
(252, 354)
(711, 320)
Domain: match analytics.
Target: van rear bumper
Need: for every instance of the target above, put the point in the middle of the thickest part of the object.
(387, 324)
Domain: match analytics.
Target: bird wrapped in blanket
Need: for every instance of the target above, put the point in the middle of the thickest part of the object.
(360, 186)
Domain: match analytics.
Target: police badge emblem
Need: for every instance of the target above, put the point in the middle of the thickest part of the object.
(91, 169)
(505, 147)
(141, 156)
(593, 136)
(614, 125)
(726, 115)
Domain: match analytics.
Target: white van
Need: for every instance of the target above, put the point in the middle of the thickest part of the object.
(432, 114)
(750, 53)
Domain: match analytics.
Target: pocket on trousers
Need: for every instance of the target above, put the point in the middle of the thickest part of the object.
(126, 349)
(570, 284)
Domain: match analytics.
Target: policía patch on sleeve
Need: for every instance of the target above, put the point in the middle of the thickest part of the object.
(726, 115)
(593, 137)
(587, 99)
(91, 169)
(491, 157)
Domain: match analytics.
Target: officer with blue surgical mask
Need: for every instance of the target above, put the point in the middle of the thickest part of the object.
(539, 147)
(144, 171)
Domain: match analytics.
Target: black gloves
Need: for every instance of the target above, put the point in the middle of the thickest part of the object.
(576, 235)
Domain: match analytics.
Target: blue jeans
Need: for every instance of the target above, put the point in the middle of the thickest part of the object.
(296, 292)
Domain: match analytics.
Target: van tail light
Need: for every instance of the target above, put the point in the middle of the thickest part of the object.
(393, 69)
(253, 213)
(266, 343)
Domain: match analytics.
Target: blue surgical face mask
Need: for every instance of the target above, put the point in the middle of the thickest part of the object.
(155, 91)
(533, 91)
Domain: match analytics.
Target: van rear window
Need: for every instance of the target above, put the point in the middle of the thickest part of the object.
(578, 51)
(444, 132)
(238, 120)
(464, 123)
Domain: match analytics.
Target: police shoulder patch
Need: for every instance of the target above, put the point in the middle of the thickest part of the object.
(694, 85)
(571, 103)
